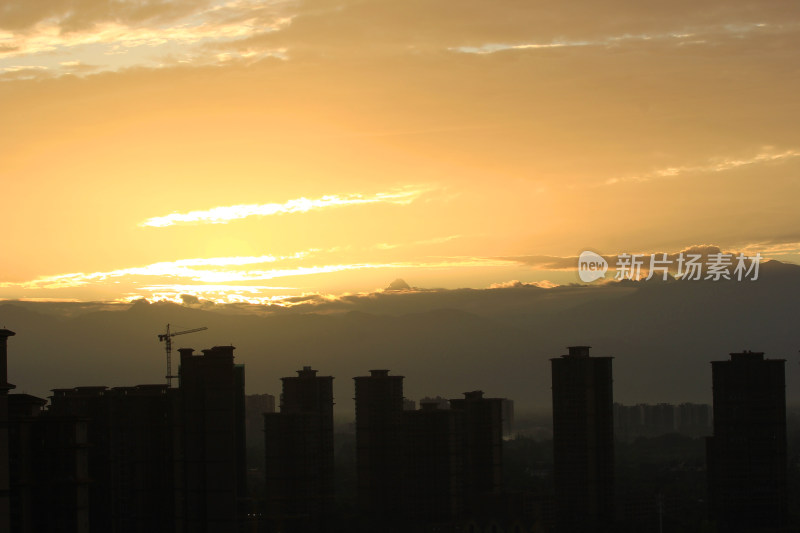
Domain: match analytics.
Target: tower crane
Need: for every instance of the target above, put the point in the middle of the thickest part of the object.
(167, 339)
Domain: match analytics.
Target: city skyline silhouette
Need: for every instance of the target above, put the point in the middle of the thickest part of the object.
(151, 457)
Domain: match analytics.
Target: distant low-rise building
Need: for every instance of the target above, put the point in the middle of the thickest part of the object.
(652, 420)
(255, 405)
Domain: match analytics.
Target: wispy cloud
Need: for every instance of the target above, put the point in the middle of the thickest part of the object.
(679, 37)
(773, 249)
(491, 48)
(766, 250)
(716, 165)
(225, 214)
(426, 242)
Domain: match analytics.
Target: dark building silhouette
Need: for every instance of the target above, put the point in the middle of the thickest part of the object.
(299, 455)
(136, 459)
(5, 386)
(429, 468)
(93, 405)
(141, 454)
(746, 457)
(23, 412)
(483, 446)
(49, 469)
(583, 441)
(127, 459)
(43, 463)
(379, 444)
(434, 478)
(453, 459)
(210, 466)
(130, 456)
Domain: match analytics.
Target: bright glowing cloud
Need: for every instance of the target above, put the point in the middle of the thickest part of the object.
(183, 270)
(225, 214)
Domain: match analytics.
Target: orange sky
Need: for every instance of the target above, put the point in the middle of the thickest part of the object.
(244, 150)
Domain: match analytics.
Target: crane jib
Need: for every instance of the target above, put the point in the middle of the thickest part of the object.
(167, 339)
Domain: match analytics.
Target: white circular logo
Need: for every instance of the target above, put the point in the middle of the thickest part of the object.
(591, 266)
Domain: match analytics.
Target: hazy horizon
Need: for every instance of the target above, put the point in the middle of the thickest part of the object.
(663, 336)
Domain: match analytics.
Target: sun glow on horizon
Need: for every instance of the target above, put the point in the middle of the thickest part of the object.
(223, 280)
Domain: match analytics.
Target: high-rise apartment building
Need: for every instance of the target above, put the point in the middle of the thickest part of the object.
(583, 441)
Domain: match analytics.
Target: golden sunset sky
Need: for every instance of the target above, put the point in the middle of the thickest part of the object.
(251, 150)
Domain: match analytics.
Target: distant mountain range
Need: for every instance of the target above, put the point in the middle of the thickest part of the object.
(662, 334)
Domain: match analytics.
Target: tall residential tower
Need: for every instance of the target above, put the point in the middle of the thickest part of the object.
(583, 441)
(299, 455)
(746, 457)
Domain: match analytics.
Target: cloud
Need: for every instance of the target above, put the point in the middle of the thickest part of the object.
(745, 256)
(766, 156)
(228, 271)
(132, 33)
(516, 284)
(223, 275)
(24, 72)
(213, 32)
(180, 269)
(225, 214)
(419, 26)
(425, 242)
(701, 34)
(619, 40)
(49, 39)
(76, 16)
(773, 247)
(544, 262)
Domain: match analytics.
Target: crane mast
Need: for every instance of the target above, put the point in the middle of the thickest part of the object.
(166, 338)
